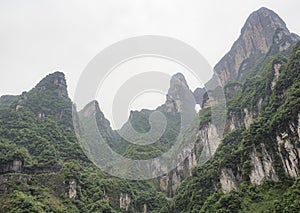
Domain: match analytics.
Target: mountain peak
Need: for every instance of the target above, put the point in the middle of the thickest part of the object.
(255, 40)
(178, 80)
(55, 82)
(91, 109)
(178, 93)
(266, 20)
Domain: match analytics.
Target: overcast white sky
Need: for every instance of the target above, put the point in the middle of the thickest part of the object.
(41, 36)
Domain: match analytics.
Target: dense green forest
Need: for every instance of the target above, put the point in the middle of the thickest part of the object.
(37, 131)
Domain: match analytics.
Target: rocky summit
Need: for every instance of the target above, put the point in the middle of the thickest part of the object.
(255, 41)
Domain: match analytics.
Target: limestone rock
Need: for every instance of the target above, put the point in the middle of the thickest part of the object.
(55, 82)
(179, 98)
(228, 180)
(198, 95)
(289, 152)
(125, 201)
(262, 167)
(72, 189)
(255, 40)
(276, 68)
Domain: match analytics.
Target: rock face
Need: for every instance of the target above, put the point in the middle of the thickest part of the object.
(145, 208)
(181, 100)
(13, 166)
(208, 140)
(198, 95)
(228, 180)
(179, 96)
(55, 82)
(291, 161)
(262, 162)
(276, 68)
(289, 151)
(124, 201)
(72, 189)
(91, 110)
(255, 40)
(249, 116)
(233, 122)
(262, 167)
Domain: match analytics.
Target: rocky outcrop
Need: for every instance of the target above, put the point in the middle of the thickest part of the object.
(289, 154)
(88, 113)
(255, 40)
(207, 100)
(283, 40)
(198, 95)
(228, 180)
(125, 201)
(213, 97)
(208, 141)
(179, 96)
(72, 189)
(145, 208)
(276, 72)
(169, 183)
(234, 121)
(12, 166)
(248, 117)
(289, 149)
(55, 82)
(262, 166)
(17, 166)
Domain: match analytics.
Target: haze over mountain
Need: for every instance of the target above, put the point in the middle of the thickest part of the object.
(68, 41)
(248, 162)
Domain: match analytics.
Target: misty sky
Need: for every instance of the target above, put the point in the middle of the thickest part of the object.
(39, 37)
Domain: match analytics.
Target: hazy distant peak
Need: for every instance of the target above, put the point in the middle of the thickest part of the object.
(179, 94)
(91, 109)
(178, 79)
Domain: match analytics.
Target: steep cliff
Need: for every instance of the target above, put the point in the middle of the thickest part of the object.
(260, 145)
(263, 30)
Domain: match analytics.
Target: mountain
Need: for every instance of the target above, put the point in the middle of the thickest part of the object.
(179, 95)
(248, 162)
(263, 33)
(256, 166)
(43, 167)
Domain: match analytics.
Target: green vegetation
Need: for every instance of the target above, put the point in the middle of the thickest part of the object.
(276, 113)
(36, 129)
(42, 163)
